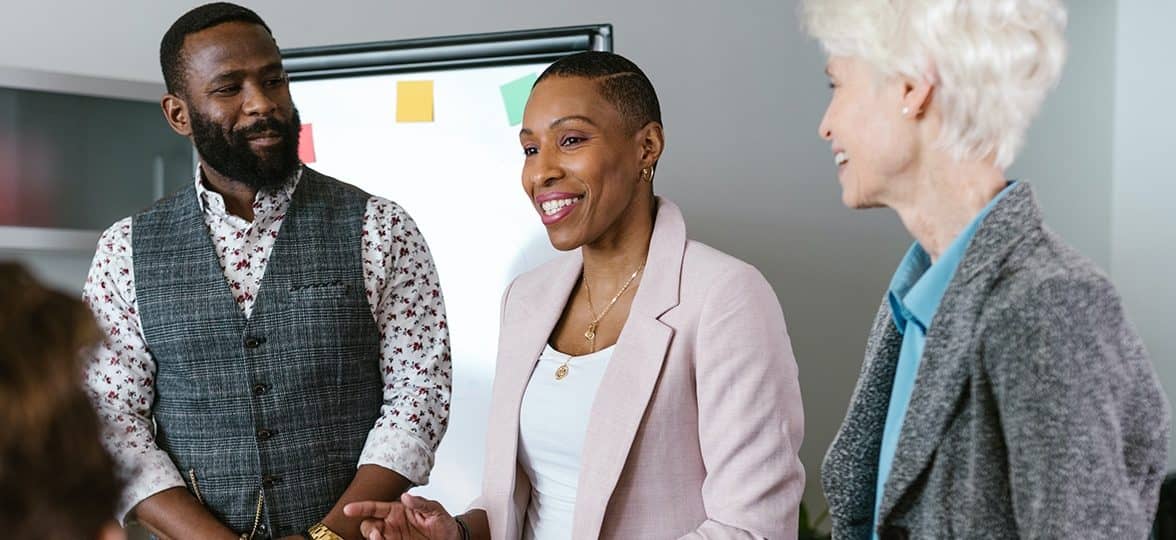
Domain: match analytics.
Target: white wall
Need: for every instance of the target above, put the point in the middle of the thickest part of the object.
(742, 93)
(1143, 232)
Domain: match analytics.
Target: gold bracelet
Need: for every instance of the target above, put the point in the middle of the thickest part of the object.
(318, 531)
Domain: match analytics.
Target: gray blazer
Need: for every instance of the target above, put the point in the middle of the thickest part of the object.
(1036, 412)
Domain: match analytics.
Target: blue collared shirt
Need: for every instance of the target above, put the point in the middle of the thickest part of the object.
(914, 296)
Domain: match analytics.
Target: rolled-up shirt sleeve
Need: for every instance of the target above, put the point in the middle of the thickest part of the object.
(406, 301)
(120, 373)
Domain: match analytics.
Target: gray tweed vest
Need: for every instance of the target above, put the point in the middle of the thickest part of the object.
(280, 403)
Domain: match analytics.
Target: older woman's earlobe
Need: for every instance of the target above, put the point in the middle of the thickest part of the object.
(917, 97)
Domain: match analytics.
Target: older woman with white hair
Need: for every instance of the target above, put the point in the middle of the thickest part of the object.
(1003, 393)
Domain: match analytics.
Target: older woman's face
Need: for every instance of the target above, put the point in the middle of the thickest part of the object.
(872, 146)
(582, 167)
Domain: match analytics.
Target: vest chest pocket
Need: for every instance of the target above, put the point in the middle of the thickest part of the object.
(326, 294)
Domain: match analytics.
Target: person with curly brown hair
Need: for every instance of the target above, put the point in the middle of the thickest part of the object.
(56, 480)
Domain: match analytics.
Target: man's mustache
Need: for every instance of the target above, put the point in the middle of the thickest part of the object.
(264, 125)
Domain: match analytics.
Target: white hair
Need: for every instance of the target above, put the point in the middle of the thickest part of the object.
(992, 61)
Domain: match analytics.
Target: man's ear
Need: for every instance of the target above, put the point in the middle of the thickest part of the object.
(175, 110)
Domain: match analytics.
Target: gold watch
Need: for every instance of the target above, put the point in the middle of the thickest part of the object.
(318, 531)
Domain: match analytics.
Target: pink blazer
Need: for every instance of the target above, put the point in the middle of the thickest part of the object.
(696, 426)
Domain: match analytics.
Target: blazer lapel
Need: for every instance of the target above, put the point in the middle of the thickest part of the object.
(850, 469)
(943, 371)
(632, 374)
(942, 377)
(522, 337)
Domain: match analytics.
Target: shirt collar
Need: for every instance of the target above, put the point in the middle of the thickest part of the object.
(213, 203)
(918, 285)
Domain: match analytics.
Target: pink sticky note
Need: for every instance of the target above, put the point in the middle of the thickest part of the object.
(306, 144)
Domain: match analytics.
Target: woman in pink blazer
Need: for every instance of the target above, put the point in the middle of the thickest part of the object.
(645, 386)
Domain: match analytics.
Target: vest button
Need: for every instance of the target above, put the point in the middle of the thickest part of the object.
(264, 434)
(260, 389)
(253, 342)
(268, 480)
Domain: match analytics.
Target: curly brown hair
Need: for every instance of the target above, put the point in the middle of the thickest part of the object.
(56, 480)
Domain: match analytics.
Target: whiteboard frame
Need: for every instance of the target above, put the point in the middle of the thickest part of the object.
(447, 52)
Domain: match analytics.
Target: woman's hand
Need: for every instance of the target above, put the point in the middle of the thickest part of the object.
(413, 517)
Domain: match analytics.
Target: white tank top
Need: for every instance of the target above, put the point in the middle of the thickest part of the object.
(552, 423)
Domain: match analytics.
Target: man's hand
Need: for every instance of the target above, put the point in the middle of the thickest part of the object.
(411, 518)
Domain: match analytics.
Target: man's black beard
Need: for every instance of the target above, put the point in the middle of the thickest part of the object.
(229, 154)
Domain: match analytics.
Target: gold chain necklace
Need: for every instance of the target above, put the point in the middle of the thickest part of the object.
(590, 334)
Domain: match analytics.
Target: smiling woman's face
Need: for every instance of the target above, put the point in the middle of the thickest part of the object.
(871, 144)
(583, 163)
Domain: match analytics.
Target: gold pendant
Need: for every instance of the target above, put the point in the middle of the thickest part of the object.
(561, 372)
(590, 335)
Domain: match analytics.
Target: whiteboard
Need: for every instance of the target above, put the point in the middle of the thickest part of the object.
(458, 176)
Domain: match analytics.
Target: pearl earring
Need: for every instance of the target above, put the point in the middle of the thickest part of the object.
(906, 111)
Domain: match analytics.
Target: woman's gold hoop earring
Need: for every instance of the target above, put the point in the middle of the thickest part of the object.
(647, 175)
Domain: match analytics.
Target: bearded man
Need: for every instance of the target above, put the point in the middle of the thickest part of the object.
(276, 343)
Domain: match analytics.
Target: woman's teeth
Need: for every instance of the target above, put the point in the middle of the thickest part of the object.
(553, 206)
(840, 159)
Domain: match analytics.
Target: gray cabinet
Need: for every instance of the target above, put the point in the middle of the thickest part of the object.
(79, 153)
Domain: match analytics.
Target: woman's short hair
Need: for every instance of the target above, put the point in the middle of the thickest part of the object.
(56, 480)
(621, 83)
(992, 61)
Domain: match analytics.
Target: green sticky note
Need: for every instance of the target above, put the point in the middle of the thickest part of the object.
(514, 97)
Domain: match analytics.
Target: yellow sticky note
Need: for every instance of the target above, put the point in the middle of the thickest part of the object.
(414, 101)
